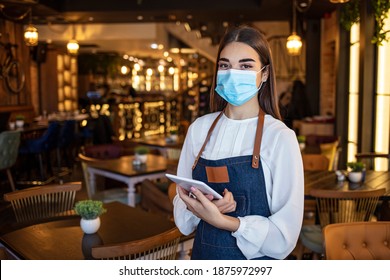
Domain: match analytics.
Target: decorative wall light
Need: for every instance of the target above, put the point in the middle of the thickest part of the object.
(339, 1)
(73, 45)
(31, 33)
(294, 42)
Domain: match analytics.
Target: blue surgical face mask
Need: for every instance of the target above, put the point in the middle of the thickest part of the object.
(237, 86)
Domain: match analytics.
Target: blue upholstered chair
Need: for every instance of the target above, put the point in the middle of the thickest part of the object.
(42, 148)
(66, 139)
(9, 146)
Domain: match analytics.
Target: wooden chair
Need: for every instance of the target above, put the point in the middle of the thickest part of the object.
(162, 246)
(357, 241)
(154, 199)
(114, 194)
(9, 145)
(315, 162)
(331, 151)
(334, 206)
(371, 160)
(43, 202)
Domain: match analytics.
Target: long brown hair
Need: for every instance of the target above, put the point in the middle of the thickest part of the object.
(268, 99)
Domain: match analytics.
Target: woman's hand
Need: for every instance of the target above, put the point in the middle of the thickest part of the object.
(207, 210)
(201, 206)
(227, 204)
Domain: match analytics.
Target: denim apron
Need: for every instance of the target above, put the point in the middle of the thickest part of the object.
(244, 177)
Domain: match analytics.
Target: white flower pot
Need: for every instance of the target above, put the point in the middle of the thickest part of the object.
(90, 226)
(355, 177)
(141, 158)
(174, 137)
(19, 123)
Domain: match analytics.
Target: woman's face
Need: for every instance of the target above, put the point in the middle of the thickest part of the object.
(240, 56)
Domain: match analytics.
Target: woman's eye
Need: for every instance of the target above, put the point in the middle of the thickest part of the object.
(246, 66)
(223, 66)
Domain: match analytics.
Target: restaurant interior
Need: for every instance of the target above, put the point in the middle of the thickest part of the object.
(96, 98)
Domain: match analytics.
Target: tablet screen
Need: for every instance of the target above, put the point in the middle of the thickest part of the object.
(186, 184)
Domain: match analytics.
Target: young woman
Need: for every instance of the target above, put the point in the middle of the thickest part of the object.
(248, 155)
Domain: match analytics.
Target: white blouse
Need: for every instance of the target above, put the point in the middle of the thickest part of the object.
(257, 236)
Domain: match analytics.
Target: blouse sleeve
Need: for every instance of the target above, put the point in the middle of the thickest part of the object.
(276, 236)
(185, 220)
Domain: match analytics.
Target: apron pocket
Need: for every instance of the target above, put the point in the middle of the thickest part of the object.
(221, 238)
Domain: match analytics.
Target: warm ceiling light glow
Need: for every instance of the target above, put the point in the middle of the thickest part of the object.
(339, 1)
(124, 69)
(149, 72)
(294, 44)
(73, 46)
(160, 68)
(171, 70)
(187, 27)
(137, 67)
(31, 36)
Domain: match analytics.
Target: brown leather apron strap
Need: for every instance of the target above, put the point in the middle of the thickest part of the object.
(259, 135)
(207, 139)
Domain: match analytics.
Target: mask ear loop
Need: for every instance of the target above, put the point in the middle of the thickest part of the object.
(264, 77)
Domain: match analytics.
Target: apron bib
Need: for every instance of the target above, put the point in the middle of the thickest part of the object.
(249, 192)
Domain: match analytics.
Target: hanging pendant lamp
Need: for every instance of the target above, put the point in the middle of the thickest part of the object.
(294, 42)
(31, 33)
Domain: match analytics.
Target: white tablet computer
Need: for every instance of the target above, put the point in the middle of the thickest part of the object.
(186, 184)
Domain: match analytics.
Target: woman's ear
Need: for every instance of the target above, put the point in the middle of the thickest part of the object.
(264, 74)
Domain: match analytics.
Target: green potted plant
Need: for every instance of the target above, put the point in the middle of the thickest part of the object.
(141, 154)
(355, 174)
(90, 212)
(301, 141)
(174, 135)
(19, 121)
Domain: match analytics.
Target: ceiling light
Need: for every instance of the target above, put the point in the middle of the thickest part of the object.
(294, 42)
(339, 1)
(73, 46)
(31, 34)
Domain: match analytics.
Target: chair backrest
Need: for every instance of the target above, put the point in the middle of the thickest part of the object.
(375, 161)
(357, 241)
(154, 199)
(103, 151)
(172, 192)
(97, 153)
(162, 246)
(48, 141)
(44, 201)
(67, 133)
(315, 162)
(334, 206)
(9, 146)
(330, 150)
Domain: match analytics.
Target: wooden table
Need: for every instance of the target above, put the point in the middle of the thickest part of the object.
(122, 169)
(168, 148)
(159, 141)
(63, 239)
(328, 180)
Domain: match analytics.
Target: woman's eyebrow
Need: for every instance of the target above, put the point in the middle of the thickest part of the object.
(247, 60)
(224, 59)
